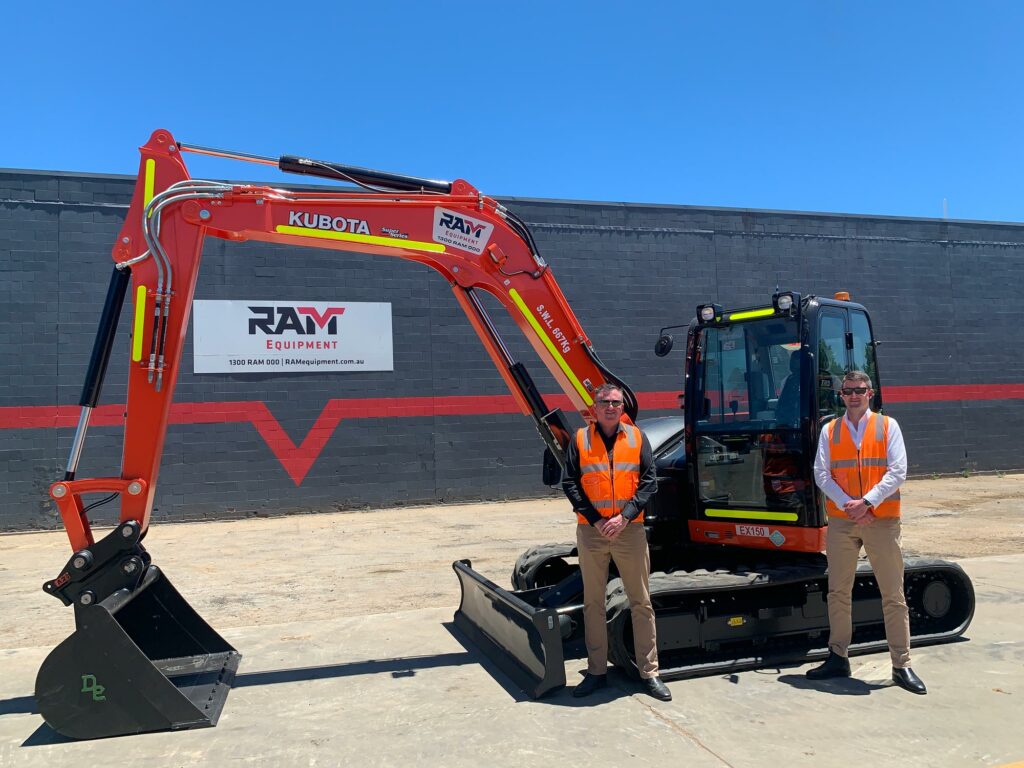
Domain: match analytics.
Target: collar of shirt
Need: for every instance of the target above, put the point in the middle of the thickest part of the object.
(857, 429)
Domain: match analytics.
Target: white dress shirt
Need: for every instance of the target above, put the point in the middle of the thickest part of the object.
(895, 459)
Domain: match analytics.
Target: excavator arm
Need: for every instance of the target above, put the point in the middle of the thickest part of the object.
(471, 239)
(141, 658)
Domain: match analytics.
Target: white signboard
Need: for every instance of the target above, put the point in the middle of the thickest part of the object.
(271, 336)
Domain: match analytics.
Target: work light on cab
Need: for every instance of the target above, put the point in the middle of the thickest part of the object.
(707, 313)
(785, 302)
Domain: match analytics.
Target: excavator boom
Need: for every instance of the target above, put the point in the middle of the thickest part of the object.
(471, 239)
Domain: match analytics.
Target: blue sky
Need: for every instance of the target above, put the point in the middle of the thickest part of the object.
(868, 107)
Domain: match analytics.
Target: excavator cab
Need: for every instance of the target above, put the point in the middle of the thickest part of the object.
(762, 382)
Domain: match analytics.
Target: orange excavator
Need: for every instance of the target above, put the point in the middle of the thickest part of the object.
(141, 659)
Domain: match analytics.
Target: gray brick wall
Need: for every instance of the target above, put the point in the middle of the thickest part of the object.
(942, 296)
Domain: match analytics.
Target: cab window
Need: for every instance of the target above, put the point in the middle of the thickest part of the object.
(725, 376)
(832, 362)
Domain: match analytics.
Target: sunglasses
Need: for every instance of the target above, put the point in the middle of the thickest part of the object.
(610, 403)
(854, 390)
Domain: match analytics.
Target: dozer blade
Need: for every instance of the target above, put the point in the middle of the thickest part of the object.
(140, 660)
(523, 640)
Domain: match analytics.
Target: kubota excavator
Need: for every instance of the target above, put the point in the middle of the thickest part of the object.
(141, 659)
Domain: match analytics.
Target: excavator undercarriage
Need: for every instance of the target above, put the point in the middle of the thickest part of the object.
(711, 620)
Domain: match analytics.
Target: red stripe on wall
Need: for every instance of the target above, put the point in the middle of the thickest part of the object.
(944, 392)
(297, 460)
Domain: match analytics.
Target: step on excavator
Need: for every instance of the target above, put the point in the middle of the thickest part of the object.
(736, 530)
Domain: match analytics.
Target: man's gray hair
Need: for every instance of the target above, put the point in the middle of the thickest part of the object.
(860, 376)
(604, 389)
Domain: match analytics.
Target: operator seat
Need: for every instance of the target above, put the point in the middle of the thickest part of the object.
(787, 409)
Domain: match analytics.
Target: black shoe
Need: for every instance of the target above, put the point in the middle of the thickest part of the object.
(906, 679)
(654, 687)
(834, 666)
(590, 684)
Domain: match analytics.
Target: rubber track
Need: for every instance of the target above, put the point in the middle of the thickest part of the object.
(528, 564)
(723, 584)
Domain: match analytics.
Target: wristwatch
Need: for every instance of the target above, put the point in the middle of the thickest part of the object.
(868, 504)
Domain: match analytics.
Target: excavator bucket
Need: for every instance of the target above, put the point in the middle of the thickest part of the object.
(140, 660)
(522, 638)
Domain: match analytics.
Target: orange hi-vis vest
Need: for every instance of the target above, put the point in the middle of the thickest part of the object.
(608, 487)
(857, 472)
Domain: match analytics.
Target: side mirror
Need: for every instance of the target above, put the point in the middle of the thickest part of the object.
(663, 345)
(552, 472)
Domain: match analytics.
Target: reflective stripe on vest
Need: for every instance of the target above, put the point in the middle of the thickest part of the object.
(609, 487)
(858, 471)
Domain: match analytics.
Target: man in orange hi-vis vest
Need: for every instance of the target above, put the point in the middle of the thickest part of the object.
(860, 466)
(609, 477)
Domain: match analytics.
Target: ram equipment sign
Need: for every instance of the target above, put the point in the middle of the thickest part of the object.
(271, 336)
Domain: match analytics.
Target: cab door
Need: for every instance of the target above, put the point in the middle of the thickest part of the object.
(750, 469)
(845, 343)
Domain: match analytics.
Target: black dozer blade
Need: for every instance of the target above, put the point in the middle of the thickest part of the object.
(140, 660)
(524, 641)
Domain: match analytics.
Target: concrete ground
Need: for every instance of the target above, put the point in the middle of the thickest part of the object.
(344, 621)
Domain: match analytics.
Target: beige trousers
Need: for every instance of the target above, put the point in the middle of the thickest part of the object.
(881, 541)
(633, 560)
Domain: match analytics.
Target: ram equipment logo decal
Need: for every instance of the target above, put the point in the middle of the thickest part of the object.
(462, 231)
(274, 321)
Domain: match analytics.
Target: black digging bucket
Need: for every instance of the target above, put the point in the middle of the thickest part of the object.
(139, 660)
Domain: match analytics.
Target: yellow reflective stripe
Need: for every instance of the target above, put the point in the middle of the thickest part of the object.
(749, 514)
(550, 346)
(140, 322)
(149, 182)
(349, 237)
(752, 313)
